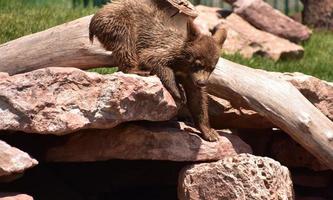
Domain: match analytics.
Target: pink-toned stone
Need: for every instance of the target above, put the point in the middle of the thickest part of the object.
(264, 17)
(245, 39)
(63, 100)
(143, 141)
(318, 92)
(15, 197)
(239, 177)
(13, 160)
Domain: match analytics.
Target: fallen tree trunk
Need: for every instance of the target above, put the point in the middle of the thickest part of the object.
(65, 45)
(279, 102)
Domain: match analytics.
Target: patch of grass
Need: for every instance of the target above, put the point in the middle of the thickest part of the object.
(23, 17)
(104, 70)
(317, 60)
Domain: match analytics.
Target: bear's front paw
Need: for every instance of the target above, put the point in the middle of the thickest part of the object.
(210, 134)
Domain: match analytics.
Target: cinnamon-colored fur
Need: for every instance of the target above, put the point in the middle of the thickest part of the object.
(142, 37)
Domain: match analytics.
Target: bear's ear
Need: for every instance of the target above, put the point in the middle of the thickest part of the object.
(220, 35)
(192, 31)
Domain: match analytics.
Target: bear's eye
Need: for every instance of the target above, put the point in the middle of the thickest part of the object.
(189, 58)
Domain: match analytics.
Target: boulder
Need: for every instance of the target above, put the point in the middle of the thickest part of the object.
(245, 39)
(238, 177)
(170, 141)
(13, 160)
(318, 92)
(264, 17)
(63, 100)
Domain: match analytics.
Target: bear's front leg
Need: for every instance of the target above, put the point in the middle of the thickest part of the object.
(197, 102)
(168, 80)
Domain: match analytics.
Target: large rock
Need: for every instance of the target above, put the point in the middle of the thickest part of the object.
(318, 92)
(239, 177)
(13, 160)
(261, 15)
(63, 100)
(141, 141)
(245, 39)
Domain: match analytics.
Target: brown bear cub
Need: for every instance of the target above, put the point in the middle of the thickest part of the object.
(142, 38)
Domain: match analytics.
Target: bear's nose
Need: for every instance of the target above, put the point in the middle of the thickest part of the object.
(201, 83)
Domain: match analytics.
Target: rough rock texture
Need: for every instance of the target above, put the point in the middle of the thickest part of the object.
(15, 197)
(317, 91)
(318, 14)
(239, 177)
(144, 141)
(245, 39)
(63, 100)
(263, 16)
(13, 160)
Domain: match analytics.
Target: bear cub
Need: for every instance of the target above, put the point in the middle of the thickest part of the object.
(143, 39)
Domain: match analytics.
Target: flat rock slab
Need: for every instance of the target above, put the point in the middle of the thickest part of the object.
(13, 160)
(239, 177)
(143, 141)
(63, 100)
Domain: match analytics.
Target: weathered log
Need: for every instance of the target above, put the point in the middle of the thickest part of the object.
(278, 101)
(263, 16)
(66, 45)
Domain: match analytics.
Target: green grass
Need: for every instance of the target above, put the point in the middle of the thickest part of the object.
(23, 17)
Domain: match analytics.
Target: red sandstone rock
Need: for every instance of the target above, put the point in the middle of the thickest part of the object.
(239, 177)
(63, 100)
(264, 17)
(146, 141)
(13, 160)
(245, 39)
